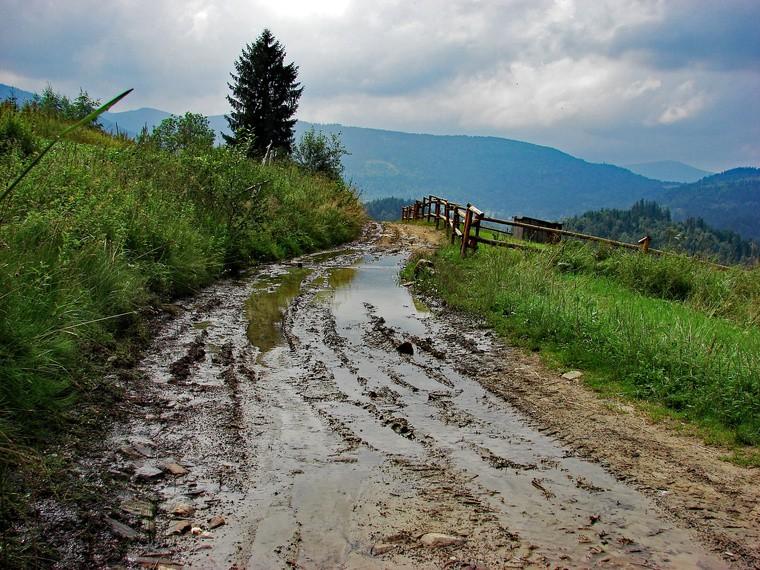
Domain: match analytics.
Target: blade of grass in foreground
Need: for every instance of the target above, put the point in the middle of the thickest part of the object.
(85, 121)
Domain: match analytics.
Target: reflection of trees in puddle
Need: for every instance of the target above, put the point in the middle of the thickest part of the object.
(335, 280)
(265, 307)
(341, 277)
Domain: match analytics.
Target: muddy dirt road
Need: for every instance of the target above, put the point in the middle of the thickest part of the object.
(283, 428)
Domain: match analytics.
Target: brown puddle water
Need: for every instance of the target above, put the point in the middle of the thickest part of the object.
(266, 305)
(335, 442)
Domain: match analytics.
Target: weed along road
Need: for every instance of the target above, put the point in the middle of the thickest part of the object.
(284, 424)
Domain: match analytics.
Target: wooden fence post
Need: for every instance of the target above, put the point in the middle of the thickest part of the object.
(644, 243)
(454, 224)
(477, 230)
(466, 231)
(437, 211)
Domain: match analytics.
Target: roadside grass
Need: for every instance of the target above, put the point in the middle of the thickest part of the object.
(103, 229)
(678, 337)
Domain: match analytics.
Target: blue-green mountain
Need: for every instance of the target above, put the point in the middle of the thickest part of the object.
(509, 177)
(670, 170)
(729, 200)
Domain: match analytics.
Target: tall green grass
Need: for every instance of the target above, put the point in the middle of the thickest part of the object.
(666, 330)
(103, 227)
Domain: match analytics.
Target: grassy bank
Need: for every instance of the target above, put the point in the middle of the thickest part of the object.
(668, 330)
(104, 228)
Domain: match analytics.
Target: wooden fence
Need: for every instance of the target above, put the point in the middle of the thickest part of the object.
(466, 222)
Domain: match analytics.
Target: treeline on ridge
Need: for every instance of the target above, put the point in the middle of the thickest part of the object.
(692, 236)
(386, 209)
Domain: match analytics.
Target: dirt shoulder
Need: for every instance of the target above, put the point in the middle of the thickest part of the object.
(686, 477)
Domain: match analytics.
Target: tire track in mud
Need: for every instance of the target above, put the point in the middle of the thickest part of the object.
(329, 448)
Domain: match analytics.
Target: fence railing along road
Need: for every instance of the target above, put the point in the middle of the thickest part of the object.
(466, 222)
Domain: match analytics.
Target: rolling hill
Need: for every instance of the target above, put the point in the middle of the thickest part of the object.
(508, 177)
(670, 170)
(729, 200)
(501, 175)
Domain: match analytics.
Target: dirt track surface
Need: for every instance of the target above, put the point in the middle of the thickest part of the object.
(284, 409)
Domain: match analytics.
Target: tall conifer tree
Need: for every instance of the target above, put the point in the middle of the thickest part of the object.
(264, 97)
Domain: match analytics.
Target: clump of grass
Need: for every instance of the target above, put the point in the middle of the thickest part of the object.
(665, 330)
(732, 293)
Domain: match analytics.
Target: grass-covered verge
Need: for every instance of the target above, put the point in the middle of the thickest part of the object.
(680, 337)
(101, 230)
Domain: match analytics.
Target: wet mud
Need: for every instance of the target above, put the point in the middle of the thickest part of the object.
(287, 430)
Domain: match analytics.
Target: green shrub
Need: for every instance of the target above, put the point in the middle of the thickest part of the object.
(15, 134)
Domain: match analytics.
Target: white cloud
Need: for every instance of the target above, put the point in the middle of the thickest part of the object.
(689, 102)
(638, 88)
(300, 9)
(560, 71)
(679, 112)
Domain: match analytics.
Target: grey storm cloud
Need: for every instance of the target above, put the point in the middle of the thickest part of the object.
(607, 80)
(717, 35)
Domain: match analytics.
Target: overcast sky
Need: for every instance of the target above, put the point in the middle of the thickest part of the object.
(617, 81)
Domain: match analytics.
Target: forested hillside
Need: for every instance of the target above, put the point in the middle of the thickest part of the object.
(729, 200)
(693, 235)
(385, 209)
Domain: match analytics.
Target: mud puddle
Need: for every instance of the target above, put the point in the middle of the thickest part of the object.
(321, 445)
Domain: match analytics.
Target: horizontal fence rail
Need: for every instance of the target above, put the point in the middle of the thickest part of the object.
(466, 222)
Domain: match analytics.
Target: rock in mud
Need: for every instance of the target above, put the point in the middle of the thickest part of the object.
(183, 510)
(173, 309)
(143, 450)
(215, 522)
(148, 472)
(175, 469)
(405, 347)
(121, 529)
(572, 375)
(382, 547)
(137, 508)
(136, 451)
(179, 528)
(436, 539)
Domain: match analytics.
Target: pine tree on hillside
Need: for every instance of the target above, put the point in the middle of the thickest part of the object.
(264, 97)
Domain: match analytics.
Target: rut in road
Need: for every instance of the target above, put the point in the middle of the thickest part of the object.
(322, 446)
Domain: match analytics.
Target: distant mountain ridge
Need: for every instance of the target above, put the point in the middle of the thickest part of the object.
(503, 176)
(669, 170)
(8, 91)
(729, 200)
(500, 175)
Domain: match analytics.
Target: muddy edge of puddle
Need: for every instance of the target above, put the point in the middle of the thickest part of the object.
(323, 446)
